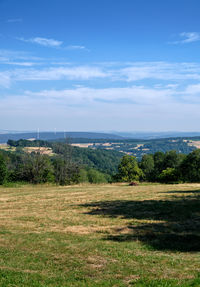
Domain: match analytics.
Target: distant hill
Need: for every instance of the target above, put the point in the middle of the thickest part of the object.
(156, 135)
(4, 137)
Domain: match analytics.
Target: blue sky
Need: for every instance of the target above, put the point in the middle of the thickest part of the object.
(100, 65)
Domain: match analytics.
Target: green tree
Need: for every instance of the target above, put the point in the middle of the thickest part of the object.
(65, 171)
(159, 158)
(172, 159)
(83, 175)
(35, 168)
(168, 175)
(95, 176)
(190, 167)
(3, 169)
(128, 169)
(41, 169)
(147, 166)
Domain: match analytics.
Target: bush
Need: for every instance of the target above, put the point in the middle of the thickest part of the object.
(95, 176)
(168, 175)
(83, 176)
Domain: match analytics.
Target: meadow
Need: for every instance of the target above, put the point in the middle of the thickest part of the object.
(100, 235)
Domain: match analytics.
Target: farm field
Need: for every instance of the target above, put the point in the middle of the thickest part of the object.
(100, 235)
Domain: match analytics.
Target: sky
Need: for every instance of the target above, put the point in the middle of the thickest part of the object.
(100, 65)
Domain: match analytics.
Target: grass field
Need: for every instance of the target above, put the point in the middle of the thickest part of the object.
(105, 235)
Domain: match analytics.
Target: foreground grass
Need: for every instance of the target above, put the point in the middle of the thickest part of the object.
(106, 235)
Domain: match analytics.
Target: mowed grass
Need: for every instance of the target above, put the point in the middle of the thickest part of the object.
(100, 235)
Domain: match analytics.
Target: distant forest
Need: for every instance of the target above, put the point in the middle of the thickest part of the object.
(134, 147)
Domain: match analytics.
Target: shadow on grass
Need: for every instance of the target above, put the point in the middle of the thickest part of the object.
(179, 229)
(181, 191)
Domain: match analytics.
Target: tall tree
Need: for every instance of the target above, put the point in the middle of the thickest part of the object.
(147, 166)
(128, 169)
(3, 169)
(190, 167)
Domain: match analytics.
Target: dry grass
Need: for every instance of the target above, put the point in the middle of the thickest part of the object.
(41, 150)
(194, 143)
(104, 234)
(84, 145)
(7, 147)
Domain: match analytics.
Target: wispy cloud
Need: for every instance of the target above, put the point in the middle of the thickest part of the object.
(18, 58)
(71, 73)
(158, 71)
(81, 73)
(43, 41)
(14, 20)
(92, 107)
(5, 80)
(48, 42)
(85, 104)
(23, 64)
(12, 55)
(187, 37)
(193, 89)
(161, 73)
(132, 94)
(76, 47)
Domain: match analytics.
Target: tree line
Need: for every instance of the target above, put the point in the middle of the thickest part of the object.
(169, 167)
(65, 166)
(69, 165)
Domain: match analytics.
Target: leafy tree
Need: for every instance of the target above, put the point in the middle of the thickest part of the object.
(65, 172)
(128, 169)
(159, 158)
(190, 167)
(169, 175)
(34, 168)
(95, 176)
(3, 169)
(41, 168)
(147, 166)
(83, 175)
(172, 159)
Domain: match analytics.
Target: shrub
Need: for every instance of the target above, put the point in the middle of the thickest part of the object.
(168, 175)
(95, 176)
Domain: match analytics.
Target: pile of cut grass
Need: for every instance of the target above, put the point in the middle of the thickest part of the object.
(100, 235)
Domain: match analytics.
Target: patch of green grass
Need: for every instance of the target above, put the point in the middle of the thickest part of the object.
(100, 235)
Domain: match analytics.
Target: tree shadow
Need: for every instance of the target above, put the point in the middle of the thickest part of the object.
(178, 228)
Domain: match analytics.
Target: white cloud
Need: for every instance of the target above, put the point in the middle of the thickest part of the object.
(23, 64)
(76, 47)
(10, 55)
(49, 74)
(159, 71)
(43, 41)
(81, 108)
(5, 80)
(70, 73)
(190, 37)
(84, 95)
(169, 73)
(18, 58)
(47, 42)
(187, 37)
(193, 89)
(135, 107)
